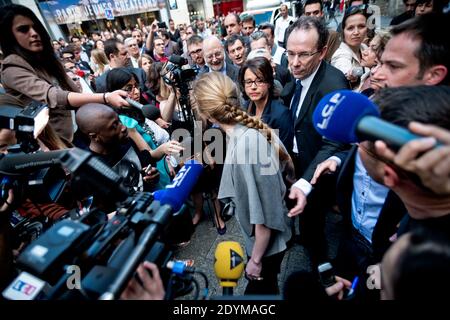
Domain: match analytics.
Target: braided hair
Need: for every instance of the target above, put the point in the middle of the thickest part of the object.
(217, 98)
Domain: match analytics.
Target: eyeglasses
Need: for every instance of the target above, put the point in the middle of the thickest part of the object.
(302, 56)
(257, 82)
(196, 52)
(130, 87)
(217, 55)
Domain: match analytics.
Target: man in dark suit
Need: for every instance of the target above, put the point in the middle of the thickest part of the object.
(370, 211)
(214, 55)
(314, 78)
(118, 58)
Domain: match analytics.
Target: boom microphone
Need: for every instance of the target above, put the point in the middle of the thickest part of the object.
(350, 117)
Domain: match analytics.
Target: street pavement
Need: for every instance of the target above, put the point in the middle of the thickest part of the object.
(205, 239)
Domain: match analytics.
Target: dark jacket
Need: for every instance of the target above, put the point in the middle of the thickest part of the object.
(277, 116)
(390, 215)
(312, 148)
(283, 75)
(232, 71)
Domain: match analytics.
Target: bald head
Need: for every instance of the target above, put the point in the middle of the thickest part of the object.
(214, 53)
(91, 117)
(102, 124)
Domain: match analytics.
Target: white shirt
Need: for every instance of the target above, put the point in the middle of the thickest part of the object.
(306, 83)
(134, 62)
(278, 55)
(280, 27)
(302, 184)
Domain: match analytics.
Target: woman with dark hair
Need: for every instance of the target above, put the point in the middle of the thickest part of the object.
(140, 129)
(257, 84)
(31, 71)
(347, 57)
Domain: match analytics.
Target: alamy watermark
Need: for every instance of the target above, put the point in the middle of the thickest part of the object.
(249, 149)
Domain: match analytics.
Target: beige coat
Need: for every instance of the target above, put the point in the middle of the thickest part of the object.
(23, 83)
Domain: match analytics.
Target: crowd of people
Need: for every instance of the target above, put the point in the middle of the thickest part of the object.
(259, 85)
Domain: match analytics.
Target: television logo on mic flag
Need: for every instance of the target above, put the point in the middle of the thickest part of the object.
(328, 109)
(24, 287)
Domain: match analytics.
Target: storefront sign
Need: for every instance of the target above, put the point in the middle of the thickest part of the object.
(71, 11)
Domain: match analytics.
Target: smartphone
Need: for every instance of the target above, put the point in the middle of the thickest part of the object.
(326, 274)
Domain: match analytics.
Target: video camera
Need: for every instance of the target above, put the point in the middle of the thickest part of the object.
(174, 74)
(27, 123)
(106, 252)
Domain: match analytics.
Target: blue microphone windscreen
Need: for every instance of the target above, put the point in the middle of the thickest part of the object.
(337, 115)
(178, 191)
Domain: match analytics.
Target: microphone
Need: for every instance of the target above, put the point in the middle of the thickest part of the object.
(134, 104)
(166, 202)
(14, 163)
(151, 112)
(179, 60)
(228, 265)
(177, 192)
(350, 117)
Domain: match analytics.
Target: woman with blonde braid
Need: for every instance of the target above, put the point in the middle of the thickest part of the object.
(252, 180)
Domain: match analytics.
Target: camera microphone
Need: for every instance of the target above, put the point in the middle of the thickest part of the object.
(179, 60)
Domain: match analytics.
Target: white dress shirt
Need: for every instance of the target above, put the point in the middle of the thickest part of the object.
(280, 27)
(302, 184)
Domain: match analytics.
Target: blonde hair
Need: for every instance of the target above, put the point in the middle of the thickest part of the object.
(100, 59)
(216, 96)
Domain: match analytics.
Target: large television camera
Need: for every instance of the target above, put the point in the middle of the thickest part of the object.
(26, 122)
(106, 252)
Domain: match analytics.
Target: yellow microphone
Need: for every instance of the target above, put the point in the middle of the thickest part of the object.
(228, 265)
